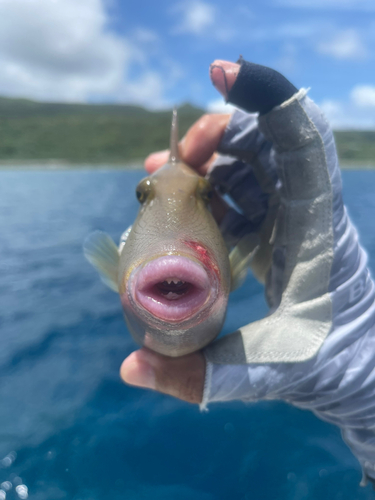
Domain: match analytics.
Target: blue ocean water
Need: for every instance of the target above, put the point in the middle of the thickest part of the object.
(69, 429)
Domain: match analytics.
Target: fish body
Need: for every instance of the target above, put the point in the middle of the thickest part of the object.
(172, 270)
(174, 267)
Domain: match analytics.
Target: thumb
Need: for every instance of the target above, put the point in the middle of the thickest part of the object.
(250, 86)
(181, 377)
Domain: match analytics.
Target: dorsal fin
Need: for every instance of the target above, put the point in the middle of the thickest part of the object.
(174, 156)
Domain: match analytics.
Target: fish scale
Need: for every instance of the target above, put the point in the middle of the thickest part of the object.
(173, 272)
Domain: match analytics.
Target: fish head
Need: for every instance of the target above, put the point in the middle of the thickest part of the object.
(174, 272)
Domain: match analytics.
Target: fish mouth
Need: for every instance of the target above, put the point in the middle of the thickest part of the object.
(173, 288)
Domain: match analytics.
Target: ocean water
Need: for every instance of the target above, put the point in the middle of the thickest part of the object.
(69, 428)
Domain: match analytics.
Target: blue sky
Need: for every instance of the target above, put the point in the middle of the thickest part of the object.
(157, 53)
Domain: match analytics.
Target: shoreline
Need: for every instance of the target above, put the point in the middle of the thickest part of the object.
(33, 165)
(356, 165)
(137, 164)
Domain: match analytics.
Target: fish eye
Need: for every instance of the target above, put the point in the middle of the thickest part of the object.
(205, 190)
(143, 190)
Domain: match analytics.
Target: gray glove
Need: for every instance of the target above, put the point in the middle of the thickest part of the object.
(315, 349)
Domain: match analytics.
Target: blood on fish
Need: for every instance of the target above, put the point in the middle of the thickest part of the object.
(203, 255)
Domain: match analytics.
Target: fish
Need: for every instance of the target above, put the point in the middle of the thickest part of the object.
(172, 269)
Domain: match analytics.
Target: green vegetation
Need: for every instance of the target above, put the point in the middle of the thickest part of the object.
(79, 133)
(116, 134)
(356, 147)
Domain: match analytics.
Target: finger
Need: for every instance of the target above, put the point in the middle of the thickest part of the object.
(156, 160)
(207, 166)
(181, 377)
(223, 74)
(202, 140)
(197, 147)
(250, 86)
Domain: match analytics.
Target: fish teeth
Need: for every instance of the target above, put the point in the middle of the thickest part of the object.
(175, 281)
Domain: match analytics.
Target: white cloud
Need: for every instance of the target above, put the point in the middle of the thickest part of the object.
(219, 106)
(363, 96)
(334, 112)
(196, 17)
(224, 34)
(291, 31)
(145, 35)
(344, 45)
(245, 11)
(355, 5)
(348, 115)
(358, 112)
(287, 61)
(62, 50)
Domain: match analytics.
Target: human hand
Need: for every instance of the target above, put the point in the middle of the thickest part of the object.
(183, 377)
(316, 347)
(255, 155)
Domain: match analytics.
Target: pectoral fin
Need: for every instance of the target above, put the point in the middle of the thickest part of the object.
(240, 258)
(102, 253)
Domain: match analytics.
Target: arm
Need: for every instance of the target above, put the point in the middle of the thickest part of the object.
(315, 349)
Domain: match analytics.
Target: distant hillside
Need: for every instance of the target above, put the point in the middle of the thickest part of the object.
(356, 146)
(104, 133)
(84, 133)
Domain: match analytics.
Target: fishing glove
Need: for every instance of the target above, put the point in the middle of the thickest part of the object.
(316, 348)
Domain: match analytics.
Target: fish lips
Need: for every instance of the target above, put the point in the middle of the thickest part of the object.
(172, 289)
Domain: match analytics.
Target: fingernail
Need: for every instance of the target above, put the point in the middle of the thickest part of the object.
(137, 371)
(223, 75)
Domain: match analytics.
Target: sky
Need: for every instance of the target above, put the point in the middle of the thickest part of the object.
(157, 53)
